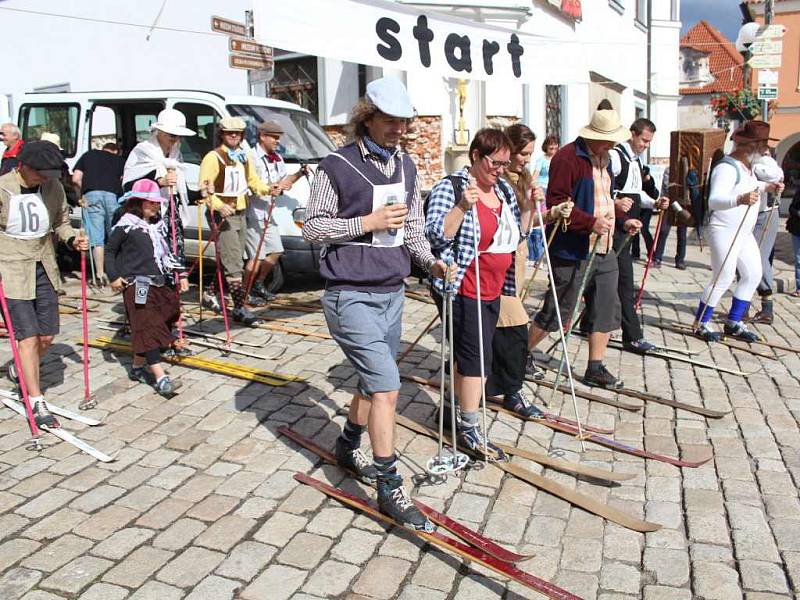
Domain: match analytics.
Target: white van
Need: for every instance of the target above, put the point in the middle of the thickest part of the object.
(84, 120)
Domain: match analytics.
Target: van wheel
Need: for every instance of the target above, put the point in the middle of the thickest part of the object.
(275, 279)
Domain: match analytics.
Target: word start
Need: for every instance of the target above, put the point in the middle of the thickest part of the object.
(457, 48)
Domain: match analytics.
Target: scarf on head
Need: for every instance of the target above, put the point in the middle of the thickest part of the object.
(383, 153)
(165, 261)
(147, 156)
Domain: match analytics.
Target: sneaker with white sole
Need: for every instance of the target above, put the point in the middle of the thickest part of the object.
(395, 503)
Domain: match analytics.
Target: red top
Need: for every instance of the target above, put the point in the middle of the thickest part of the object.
(14, 150)
(493, 266)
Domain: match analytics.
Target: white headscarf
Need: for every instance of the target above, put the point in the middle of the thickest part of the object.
(148, 156)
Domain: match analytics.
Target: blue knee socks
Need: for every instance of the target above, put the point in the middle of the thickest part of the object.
(738, 310)
(704, 312)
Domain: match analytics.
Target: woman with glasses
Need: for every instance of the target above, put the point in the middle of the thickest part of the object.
(159, 159)
(476, 202)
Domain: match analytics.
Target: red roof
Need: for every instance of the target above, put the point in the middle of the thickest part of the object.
(725, 63)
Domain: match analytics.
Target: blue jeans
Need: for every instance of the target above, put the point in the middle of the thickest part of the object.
(100, 207)
(796, 243)
(535, 244)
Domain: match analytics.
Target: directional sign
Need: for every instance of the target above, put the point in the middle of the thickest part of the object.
(255, 63)
(767, 47)
(248, 47)
(767, 93)
(262, 76)
(770, 31)
(767, 77)
(228, 27)
(765, 61)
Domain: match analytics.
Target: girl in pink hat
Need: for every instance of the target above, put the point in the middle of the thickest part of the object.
(139, 263)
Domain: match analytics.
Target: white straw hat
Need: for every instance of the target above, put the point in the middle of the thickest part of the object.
(605, 126)
(173, 122)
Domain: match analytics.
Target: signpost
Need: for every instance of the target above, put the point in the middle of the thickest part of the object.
(245, 52)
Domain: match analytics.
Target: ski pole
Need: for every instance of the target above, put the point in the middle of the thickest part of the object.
(538, 264)
(91, 248)
(721, 267)
(650, 256)
(475, 243)
(256, 260)
(26, 401)
(571, 324)
(88, 400)
(173, 226)
(767, 223)
(200, 258)
(564, 338)
(218, 259)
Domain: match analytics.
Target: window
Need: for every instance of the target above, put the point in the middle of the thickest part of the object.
(61, 119)
(104, 127)
(202, 119)
(296, 81)
(552, 110)
(303, 141)
(142, 123)
(641, 12)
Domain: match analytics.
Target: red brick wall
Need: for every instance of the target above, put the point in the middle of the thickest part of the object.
(423, 142)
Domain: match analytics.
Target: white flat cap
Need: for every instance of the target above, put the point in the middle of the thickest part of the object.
(390, 96)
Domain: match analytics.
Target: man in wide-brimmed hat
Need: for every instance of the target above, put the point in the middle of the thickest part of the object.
(231, 173)
(734, 189)
(579, 172)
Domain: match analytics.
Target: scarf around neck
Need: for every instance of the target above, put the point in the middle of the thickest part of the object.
(148, 156)
(165, 261)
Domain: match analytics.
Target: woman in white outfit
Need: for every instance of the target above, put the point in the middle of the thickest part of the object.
(734, 191)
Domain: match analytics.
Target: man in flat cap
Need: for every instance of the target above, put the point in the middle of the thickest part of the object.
(32, 206)
(229, 171)
(264, 238)
(365, 207)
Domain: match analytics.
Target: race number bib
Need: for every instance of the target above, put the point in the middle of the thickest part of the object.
(28, 218)
(506, 238)
(393, 193)
(235, 181)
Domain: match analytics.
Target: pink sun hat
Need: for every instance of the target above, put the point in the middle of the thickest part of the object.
(144, 189)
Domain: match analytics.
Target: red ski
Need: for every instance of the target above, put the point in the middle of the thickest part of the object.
(442, 541)
(548, 418)
(465, 533)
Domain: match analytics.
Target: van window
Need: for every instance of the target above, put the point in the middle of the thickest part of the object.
(61, 119)
(202, 119)
(104, 127)
(304, 140)
(142, 122)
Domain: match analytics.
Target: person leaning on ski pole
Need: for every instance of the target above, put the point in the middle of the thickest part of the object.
(232, 174)
(32, 206)
(272, 169)
(365, 207)
(510, 343)
(734, 189)
(451, 227)
(580, 172)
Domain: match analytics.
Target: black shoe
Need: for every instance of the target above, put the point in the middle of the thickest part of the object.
(166, 388)
(447, 417)
(656, 264)
(600, 377)
(259, 290)
(245, 317)
(640, 346)
(532, 369)
(394, 502)
(706, 333)
(473, 439)
(256, 301)
(353, 459)
(138, 374)
(519, 403)
(43, 416)
(211, 303)
(680, 265)
(740, 331)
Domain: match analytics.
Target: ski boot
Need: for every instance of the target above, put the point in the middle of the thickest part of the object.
(353, 459)
(706, 333)
(739, 331)
(167, 388)
(601, 377)
(245, 317)
(473, 439)
(518, 402)
(43, 417)
(395, 503)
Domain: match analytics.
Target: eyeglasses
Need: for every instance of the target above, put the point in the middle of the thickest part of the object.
(496, 164)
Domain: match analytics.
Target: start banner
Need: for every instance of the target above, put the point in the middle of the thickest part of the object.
(391, 35)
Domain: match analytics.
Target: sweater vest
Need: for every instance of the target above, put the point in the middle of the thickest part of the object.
(356, 265)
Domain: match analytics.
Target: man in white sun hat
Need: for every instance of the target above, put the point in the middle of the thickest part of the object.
(365, 207)
(231, 173)
(579, 172)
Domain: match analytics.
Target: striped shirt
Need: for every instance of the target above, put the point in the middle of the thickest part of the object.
(325, 227)
(603, 203)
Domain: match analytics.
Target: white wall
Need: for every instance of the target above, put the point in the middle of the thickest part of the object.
(43, 50)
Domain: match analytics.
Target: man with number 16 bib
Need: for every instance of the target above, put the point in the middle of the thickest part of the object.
(32, 206)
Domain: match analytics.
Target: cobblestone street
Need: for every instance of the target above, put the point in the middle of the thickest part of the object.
(201, 502)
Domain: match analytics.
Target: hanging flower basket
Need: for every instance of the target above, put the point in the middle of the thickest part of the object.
(740, 106)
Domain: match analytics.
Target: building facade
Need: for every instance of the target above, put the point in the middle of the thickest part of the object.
(617, 72)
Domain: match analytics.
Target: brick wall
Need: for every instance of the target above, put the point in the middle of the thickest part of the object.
(423, 142)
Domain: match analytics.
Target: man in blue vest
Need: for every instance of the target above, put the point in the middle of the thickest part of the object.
(365, 208)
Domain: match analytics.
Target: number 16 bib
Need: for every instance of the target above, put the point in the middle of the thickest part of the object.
(28, 218)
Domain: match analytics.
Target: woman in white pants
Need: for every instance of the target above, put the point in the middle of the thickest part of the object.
(734, 191)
